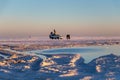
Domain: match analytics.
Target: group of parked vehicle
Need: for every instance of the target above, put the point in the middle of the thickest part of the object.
(54, 35)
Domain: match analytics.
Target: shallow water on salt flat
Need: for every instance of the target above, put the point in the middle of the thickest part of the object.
(88, 53)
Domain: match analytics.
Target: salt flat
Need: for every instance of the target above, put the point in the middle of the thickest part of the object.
(18, 62)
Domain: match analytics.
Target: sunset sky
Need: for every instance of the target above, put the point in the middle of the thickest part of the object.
(76, 17)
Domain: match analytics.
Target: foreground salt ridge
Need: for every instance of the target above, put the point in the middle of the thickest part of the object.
(58, 67)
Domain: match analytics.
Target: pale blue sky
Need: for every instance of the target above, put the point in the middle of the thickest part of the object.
(77, 17)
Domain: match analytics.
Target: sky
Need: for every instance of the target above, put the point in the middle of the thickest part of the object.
(76, 17)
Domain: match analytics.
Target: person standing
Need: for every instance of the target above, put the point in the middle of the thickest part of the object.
(54, 31)
(68, 36)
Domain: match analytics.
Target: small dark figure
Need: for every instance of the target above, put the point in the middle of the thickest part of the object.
(54, 31)
(51, 33)
(68, 36)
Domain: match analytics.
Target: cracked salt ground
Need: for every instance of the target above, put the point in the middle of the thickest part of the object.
(59, 67)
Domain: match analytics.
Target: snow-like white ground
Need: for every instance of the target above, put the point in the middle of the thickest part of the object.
(46, 40)
(15, 65)
(22, 66)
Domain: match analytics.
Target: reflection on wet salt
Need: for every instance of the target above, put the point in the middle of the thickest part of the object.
(88, 53)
